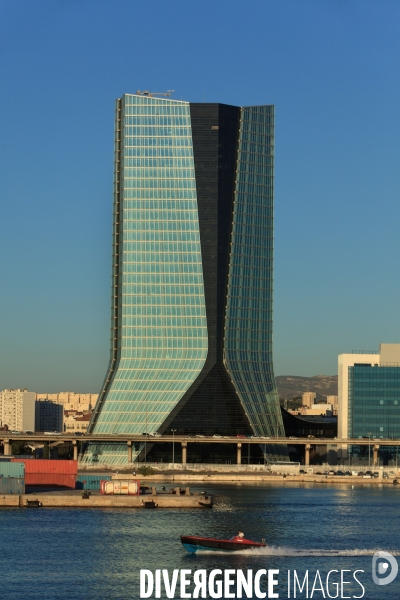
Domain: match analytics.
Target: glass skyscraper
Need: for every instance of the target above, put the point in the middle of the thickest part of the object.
(192, 274)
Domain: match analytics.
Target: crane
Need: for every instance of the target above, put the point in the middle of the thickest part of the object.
(151, 94)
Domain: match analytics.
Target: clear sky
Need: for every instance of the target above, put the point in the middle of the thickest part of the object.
(331, 67)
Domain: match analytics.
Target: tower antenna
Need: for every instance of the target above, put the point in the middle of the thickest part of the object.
(151, 94)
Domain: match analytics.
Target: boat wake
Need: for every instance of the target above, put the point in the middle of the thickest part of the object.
(285, 551)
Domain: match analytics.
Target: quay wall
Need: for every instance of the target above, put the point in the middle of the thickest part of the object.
(48, 500)
(167, 501)
(252, 478)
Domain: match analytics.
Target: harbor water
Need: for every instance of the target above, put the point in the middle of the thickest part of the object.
(96, 554)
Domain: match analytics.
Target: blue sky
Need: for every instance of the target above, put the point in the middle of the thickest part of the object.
(331, 67)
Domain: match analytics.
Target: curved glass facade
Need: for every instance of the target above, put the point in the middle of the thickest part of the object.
(248, 321)
(159, 330)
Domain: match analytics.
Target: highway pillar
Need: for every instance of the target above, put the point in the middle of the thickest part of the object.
(376, 450)
(129, 444)
(75, 446)
(307, 457)
(7, 445)
(184, 453)
(239, 454)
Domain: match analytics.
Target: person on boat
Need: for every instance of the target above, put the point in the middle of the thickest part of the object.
(238, 538)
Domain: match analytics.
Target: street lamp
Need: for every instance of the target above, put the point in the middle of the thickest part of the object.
(173, 452)
(369, 449)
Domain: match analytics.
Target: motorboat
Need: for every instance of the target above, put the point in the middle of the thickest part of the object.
(194, 543)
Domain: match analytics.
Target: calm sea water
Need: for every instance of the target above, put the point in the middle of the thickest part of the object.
(93, 554)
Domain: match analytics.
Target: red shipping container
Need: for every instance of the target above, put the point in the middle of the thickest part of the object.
(51, 479)
(43, 465)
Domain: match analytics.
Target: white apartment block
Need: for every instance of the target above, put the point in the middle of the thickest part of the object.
(332, 400)
(308, 398)
(17, 410)
(71, 400)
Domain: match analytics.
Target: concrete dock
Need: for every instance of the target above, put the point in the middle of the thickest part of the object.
(75, 498)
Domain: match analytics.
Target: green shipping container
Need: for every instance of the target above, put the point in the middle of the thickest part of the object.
(12, 485)
(90, 482)
(12, 469)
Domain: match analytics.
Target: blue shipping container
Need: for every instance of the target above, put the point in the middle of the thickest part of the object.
(12, 485)
(12, 469)
(90, 482)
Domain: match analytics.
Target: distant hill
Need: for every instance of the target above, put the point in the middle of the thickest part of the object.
(290, 386)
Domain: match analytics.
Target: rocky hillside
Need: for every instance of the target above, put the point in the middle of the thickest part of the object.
(290, 386)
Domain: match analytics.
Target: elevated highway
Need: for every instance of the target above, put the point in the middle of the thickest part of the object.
(6, 438)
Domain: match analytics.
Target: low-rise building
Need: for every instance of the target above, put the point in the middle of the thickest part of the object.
(316, 409)
(319, 409)
(75, 421)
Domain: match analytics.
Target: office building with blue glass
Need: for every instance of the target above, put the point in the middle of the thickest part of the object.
(369, 396)
(192, 274)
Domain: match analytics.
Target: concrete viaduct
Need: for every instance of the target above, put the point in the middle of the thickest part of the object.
(6, 438)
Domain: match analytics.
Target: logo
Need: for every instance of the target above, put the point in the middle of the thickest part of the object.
(380, 564)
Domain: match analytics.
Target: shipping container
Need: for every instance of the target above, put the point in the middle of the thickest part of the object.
(11, 469)
(43, 465)
(90, 482)
(128, 487)
(51, 479)
(12, 485)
